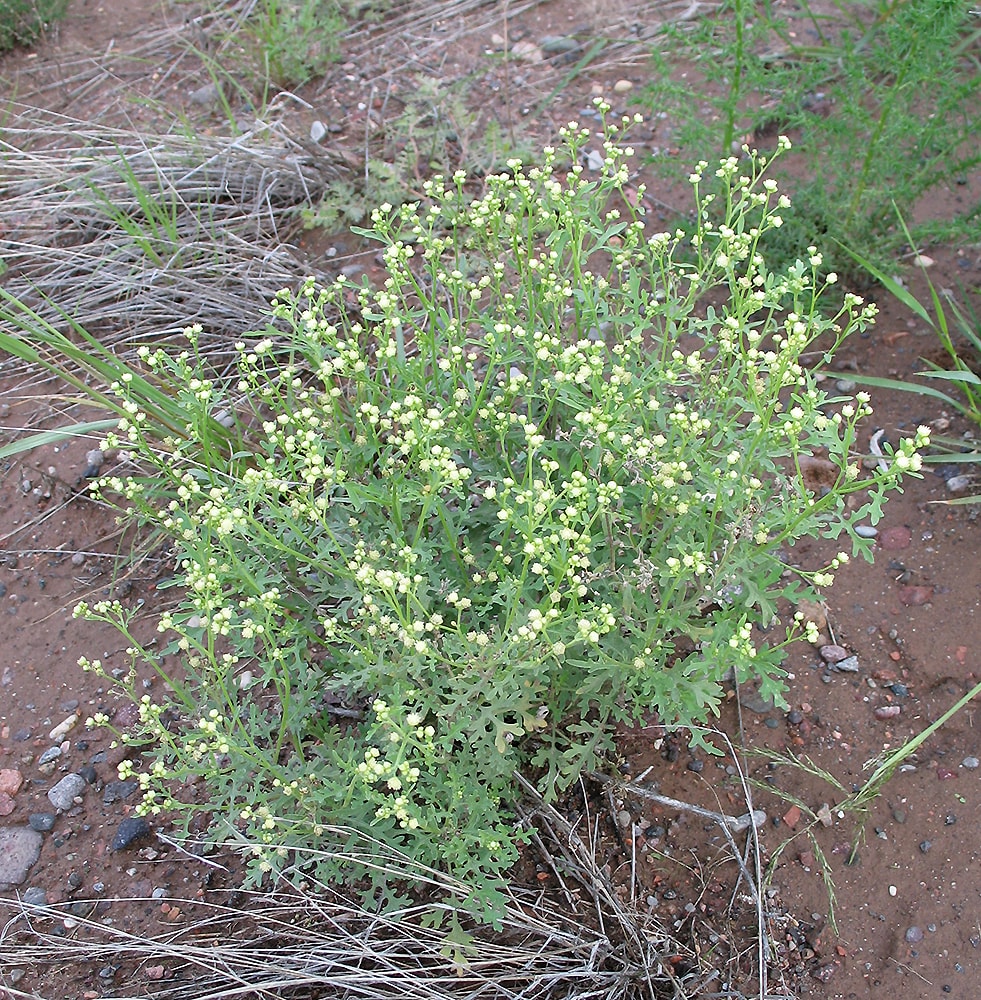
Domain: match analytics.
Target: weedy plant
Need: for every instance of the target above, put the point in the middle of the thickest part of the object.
(296, 40)
(541, 481)
(23, 21)
(958, 331)
(884, 100)
(436, 131)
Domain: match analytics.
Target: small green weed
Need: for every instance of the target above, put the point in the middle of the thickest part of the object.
(23, 21)
(543, 480)
(855, 804)
(435, 132)
(297, 40)
(883, 97)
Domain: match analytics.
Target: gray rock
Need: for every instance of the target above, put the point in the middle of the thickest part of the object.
(118, 790)
(849, 665)
(208, 94)
(833, 653)
(63, 795)
(557, 44)
(42, 822)
(751, 699)
(971, 763)
(52, 753)
(866, 531)
(20, 847)
(34, 896)
(957, 484)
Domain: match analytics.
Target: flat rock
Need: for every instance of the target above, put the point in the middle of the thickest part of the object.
(915, 596)
(751, 699)
(63, 795)
(10, 781)
(895, 538)
(20, 847)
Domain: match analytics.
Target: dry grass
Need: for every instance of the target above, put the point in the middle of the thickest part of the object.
(136, 236)
(315, 942)
(581, 937)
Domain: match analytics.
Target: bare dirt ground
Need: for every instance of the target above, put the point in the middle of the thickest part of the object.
(908, 897)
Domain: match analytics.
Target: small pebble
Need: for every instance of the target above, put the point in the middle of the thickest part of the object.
(833, 653)
(622, 86)
(899, 815)
(913, 935)
(42, 822)
(866, 531)
(771, 723)
(594, 160)
(957, 484)
(845, 385)
(795, 718)
(118, 790)
(63, 795)
(52, 753)
(925, 846)
(971, 763)
(89, 773)
(63, 728)
(950, 819)
(697, 765)
(849, 665)
(887, 711)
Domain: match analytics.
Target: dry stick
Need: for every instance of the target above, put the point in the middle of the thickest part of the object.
(736, 824)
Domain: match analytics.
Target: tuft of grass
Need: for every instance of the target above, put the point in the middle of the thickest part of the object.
(150, 231)
(23, 21)
(958, 331)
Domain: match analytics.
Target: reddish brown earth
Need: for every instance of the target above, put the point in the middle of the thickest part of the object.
(907, 907)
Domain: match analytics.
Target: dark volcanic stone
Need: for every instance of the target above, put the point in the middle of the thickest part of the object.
(130, 831)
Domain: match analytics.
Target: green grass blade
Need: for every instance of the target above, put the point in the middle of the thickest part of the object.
(891, 383)
(55, 436)
(948, 376)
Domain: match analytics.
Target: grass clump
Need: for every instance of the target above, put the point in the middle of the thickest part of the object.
(541, 481)
(23, 21)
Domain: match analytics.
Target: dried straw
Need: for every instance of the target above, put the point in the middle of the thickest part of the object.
(316, 942)
(134, 236)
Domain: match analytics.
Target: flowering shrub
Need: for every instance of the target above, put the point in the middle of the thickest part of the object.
(542, 481)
